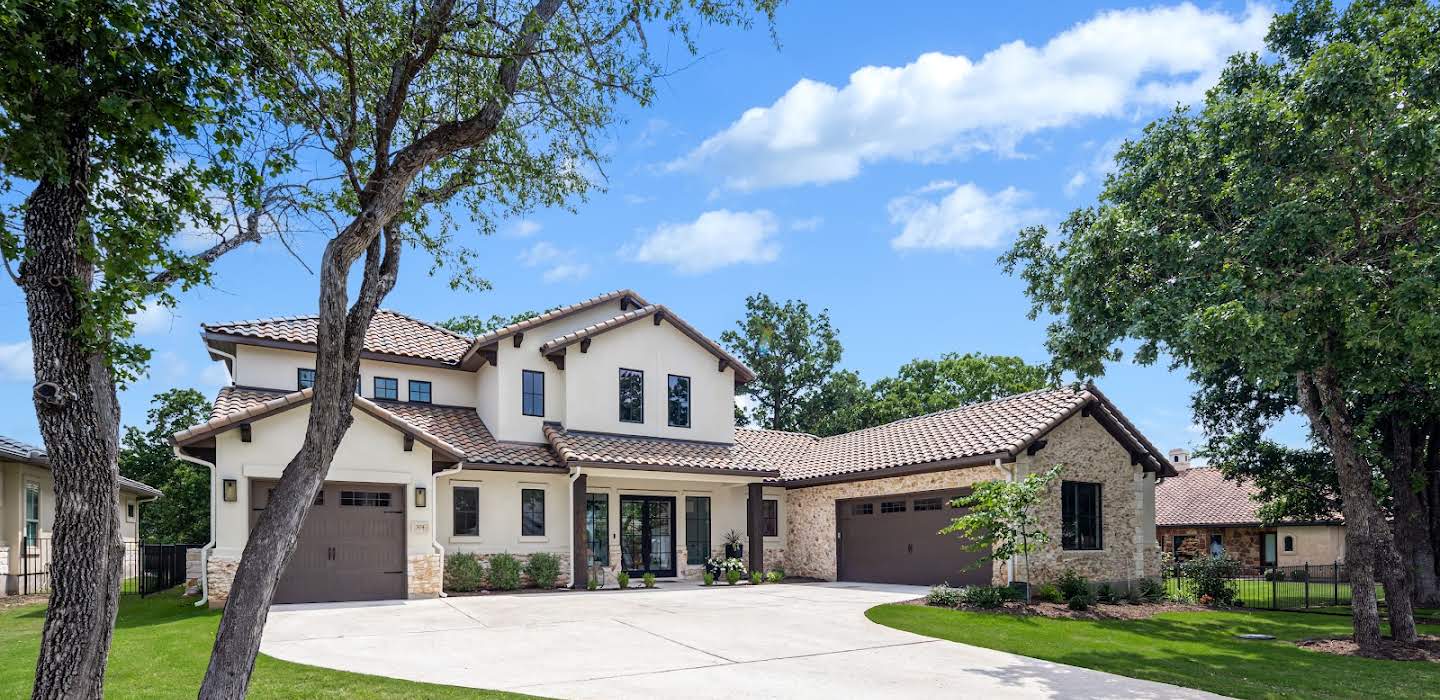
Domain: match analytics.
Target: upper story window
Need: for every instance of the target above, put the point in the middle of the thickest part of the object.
(632, 396)
(387, 388)
(679, 401)
(304, 378)
(419, 391)
(532, 392)
(1080, 515)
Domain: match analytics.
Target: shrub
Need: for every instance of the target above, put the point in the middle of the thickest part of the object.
(984, 597)
(708, 578)
(648, 579)
(592, 584)
(1210, 579)
(622, 579)
(943, 596)
(1299, 574)
(464, 573)
(1105, 594)
(1274, 575)
(504, 572)
(1150, 590)
(775, 576)
(1049, 593)
(543, 568)
(732, 576)
(756, 578)
(1080, 602)
(1071, 584)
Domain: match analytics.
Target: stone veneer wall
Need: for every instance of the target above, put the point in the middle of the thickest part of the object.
(219, 574)
(1088, 452)
(1243, 544)
(424, 581)
(426, 575)
(811, 538)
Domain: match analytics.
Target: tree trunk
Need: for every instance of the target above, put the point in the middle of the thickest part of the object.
(1406, 477)
(79, 421)
(1367, 541)
(337, 363)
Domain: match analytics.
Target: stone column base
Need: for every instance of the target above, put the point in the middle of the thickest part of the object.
(426, 577)
(219, 574)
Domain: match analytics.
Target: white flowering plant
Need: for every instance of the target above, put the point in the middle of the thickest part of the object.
(719, 566)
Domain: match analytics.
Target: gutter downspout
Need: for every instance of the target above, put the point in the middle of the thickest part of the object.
(1013, 473)
(434, 531)
(205, 550)
(230, 367)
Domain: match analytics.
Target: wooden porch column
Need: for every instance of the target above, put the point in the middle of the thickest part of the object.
(755, 525)
(580, 548)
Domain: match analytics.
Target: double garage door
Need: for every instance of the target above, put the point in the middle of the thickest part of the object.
(894, 539)
(351, 547)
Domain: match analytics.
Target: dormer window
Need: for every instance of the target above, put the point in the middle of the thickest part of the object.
(678, 401)
(632, 396)
(305, 378)
(532, 393)
(419, 391)
(387, 388)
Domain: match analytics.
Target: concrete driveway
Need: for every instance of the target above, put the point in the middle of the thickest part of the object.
(791, 641)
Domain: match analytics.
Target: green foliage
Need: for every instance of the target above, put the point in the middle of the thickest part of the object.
(1104, 593)
(648, 579)
(732, 576)
(504, 572)
(473, 325)
(1080, 602)
(1071, 583)
(1000, 522)
(793, 353)
(464, 573)
(943, 595)
(925, 386)
(984, 597)
(757, 578)
(708, 578)
(1150, 590)
(1210, 579)
(622, 579)
(1048, 593)
(775, 576)
(1299, 575)
(182, 516)
(592, 583)
(543, 568)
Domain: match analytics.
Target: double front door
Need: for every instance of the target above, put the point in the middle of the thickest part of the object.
(647, 535)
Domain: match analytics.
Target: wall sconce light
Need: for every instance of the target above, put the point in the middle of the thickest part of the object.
(229, 490)
(419, 496)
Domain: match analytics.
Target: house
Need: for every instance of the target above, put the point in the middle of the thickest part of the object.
(27, 512)
(1200, 513)
(602, 432)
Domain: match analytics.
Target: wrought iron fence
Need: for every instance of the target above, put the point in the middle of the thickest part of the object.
(1314, 587)
(145, 569)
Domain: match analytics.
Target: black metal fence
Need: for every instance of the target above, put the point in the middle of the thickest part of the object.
(1315, 587)
(146, 568)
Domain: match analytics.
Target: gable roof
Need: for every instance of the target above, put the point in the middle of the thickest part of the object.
(458, 428)
(625, 296)
(1203, 496)
(659, 312)
(391, 335)
(13, 450)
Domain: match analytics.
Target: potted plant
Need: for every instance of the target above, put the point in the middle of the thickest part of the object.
(733, 547)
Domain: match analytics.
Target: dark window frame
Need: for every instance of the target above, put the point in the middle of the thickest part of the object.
(417, 384)
(532, 521)
(697, 535)
(365, 499)
(769, 517)
(1075, 497)
(924, 504)
(300, 374)
(530, 399)
(455, 529)
(597, 527)
(670, 400)
(394, 390)
(1289, 543)
(635, 373)
(893, 507)
(862, 509)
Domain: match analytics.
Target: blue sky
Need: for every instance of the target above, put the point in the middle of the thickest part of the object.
(875, 164)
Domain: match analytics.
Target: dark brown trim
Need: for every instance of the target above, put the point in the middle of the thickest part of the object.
(676, 468)
(525, 468)
(903, 470)
(409, 442)
(755, 525)
(557, 358)
(1036, 447)
(585, 346)
(209, 336)
(517, 339)
(580, 546)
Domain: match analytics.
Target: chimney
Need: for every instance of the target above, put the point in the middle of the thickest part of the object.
(1180, 459)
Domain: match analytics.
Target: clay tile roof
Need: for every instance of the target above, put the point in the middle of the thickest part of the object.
(742, 373)
(657, 453)
(548, 316)
(455, 429)
(390, 333)
(12, 449)
(1202, 496)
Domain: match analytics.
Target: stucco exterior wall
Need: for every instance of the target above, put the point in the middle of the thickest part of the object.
(500, 513)
(1314, 544)
(592, 384)
(271, 368)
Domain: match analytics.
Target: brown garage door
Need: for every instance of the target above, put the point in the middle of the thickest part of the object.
(893, 539)
(351, 547)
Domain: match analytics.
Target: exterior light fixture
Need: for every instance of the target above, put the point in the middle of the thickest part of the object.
(229, 490)
(419, 496)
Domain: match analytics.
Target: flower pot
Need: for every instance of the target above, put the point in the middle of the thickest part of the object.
(734, 551)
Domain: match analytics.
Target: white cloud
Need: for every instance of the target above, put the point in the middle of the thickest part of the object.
(152, 319)
(561, 263)
(17, 362)
(524, 228)
(1101, 164)
(808, 224)
(965, 217)
(715, 239)
(942, 106)
(214, 375)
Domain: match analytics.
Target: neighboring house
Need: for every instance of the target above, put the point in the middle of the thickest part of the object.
(603, 433)
(1200, 513)
(27, 513)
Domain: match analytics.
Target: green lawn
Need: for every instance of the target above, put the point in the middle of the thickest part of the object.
(1196, 650)
(1286, 595)
(162, 645)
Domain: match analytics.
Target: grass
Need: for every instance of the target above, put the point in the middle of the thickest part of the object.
(1286, 595)
(1195, 650)
(162, 646)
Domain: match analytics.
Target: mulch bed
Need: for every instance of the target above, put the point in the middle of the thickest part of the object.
(1099, 611)
(1427, 648)
(15, 601)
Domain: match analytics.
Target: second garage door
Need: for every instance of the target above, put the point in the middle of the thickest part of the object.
(351, 547)
(893, 539)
